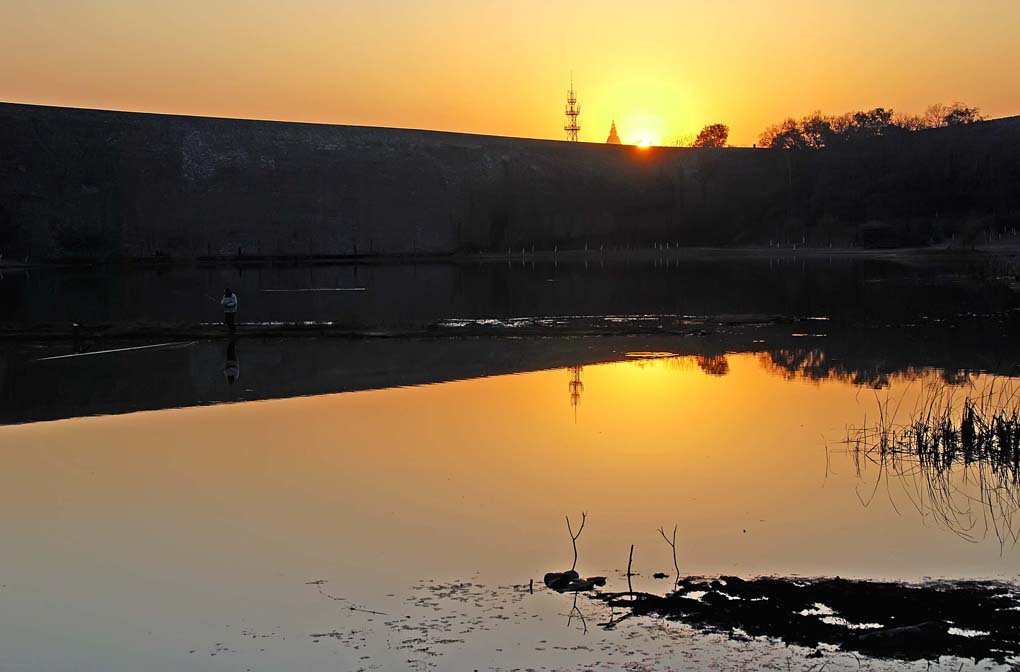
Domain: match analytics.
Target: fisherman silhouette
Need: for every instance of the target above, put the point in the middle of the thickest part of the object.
(229, 303)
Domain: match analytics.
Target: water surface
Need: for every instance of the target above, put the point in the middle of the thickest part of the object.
(238, 536)
(853, 289)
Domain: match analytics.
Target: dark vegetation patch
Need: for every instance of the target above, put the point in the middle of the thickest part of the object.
(968, 619)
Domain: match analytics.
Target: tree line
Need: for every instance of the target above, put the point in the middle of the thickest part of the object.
(712, 135)
(818, 131)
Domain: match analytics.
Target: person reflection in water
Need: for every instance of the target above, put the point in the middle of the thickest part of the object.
(229, 303)
(232, 367)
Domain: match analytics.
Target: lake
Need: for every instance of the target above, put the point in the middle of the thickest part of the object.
(394, 503)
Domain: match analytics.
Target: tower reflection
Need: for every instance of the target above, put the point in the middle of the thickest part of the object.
(576, 388)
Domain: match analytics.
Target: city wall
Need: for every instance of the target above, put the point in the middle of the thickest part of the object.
(86, 184)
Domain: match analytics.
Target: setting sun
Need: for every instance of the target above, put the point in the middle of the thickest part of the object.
(645, 138)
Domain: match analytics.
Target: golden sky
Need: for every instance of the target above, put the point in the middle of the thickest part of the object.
(662, 69)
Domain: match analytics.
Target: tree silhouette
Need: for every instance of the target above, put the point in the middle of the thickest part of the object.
(871, 123)
(817, 131)
(713, 135)
(958, 113)
(786, 135)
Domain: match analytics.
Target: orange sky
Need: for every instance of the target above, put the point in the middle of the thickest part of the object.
(662, 69)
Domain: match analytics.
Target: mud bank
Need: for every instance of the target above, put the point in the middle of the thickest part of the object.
(966, 619)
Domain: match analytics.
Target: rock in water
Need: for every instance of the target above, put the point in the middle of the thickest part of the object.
(559, 581)
(563, 582)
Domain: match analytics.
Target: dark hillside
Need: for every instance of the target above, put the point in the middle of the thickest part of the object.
(93, 184)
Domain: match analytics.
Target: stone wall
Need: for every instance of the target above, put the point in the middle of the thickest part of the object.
(94, 184)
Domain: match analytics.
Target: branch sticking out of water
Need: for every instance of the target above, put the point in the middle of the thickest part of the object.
(672, 545)
(630, 561)
(574, 537)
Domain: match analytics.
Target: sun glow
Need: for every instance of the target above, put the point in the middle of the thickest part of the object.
(645, 139)
(403, 64)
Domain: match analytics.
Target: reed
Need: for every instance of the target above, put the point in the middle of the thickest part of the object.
(957, 456)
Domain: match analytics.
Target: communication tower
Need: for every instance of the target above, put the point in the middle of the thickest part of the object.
(573, 111)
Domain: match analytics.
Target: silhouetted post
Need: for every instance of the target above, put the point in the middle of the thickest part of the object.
(630, 561)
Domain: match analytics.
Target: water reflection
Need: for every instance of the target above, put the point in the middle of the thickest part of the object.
(716, 365)
(575, 612)
(815, 364)
(118, 378)
(227, 512)
(232, 366)
(576, 388)
(955, 459)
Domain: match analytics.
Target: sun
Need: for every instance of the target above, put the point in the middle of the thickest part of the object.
(645, 139)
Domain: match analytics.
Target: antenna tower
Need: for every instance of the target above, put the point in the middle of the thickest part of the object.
(573, 110)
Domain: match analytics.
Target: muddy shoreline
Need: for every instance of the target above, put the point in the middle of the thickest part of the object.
(967, 619)
(511, 327)
(577, 326)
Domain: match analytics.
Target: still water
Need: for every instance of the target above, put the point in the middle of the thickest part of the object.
(399, 528)
(849, 289)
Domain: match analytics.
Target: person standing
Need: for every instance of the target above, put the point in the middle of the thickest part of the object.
(229, 303)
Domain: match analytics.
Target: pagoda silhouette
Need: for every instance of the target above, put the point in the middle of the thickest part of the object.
(613, 138)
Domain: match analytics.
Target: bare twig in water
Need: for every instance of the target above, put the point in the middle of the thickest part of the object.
(318, 586)
(336, 598)
(630, 561)
(574, 537)
(672, 545)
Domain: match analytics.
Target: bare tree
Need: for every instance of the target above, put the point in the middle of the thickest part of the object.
(910, 122)
(934, 116)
